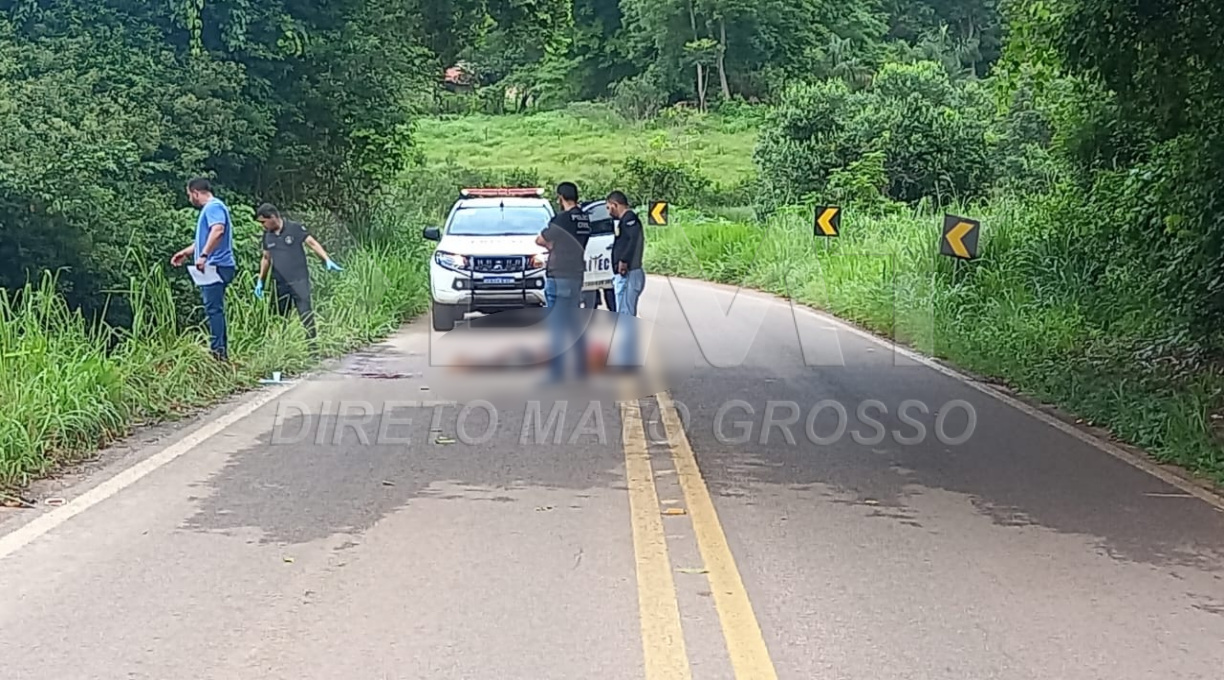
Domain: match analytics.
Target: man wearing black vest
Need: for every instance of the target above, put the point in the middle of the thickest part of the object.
(566, 238)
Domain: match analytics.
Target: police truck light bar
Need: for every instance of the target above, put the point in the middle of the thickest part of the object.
(493, 192)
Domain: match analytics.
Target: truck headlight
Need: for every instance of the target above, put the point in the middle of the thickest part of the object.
(451, 260)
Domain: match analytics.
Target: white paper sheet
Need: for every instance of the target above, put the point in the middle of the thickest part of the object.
(208, 277)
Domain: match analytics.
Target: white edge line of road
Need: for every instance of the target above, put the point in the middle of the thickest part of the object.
(1207, 496)
(45, 523)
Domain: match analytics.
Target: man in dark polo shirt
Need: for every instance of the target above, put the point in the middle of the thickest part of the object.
(284, 253)
(566, 238)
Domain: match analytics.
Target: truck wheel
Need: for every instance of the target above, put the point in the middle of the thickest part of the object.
(444, 317)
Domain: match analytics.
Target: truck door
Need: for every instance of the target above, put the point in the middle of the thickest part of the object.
(599, 247)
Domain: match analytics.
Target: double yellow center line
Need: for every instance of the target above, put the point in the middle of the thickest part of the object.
(662, 634)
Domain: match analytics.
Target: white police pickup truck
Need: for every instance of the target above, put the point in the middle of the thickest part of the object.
(487, 260)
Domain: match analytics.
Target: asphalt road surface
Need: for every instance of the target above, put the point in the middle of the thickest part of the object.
(802, 502)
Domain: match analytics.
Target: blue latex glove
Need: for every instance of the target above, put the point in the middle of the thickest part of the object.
(333, 267)
(259, 289)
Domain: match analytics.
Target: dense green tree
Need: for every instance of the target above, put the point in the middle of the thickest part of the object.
(111, 105)
(528, 47)
(699, 50)
(1163, 125)
(600, 60)
(741, 48)
(967, 31)
(446, 28)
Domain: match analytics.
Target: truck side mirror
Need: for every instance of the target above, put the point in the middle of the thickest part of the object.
(432, 233)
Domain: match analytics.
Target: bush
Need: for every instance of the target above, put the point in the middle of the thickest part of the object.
(933, 133)
(449, 103)
(930, 131)
(648, 179)
(737, 115)
(640, 97)
(863, 184)
(1023, 154)
(805, 138)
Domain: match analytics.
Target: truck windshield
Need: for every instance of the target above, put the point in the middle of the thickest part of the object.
(499, 221)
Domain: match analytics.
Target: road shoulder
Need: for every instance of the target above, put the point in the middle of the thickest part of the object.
(74, 480)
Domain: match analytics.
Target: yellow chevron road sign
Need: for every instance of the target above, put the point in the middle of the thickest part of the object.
(828, 220)
(658, 213)
(960, 237)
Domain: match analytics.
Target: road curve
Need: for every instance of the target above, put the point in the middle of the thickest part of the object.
(802, 502)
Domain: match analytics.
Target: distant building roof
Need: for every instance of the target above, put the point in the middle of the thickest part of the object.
(459, 74)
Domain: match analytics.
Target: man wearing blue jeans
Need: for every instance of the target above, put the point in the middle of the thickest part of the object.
(629, 279)
(566, 238)
(214, 245)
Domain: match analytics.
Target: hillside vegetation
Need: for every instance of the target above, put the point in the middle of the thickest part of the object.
(1086, 134)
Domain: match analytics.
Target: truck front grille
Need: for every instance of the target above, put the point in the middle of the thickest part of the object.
(498, 264)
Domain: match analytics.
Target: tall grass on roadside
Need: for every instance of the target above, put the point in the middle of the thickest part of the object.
(57, 387)
(1023, 313)
(68, 387)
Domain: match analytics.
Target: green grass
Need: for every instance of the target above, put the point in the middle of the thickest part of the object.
(1019, 314)
(587, 142)
(69, 387)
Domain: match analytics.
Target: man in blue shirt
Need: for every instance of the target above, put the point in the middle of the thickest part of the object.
(214, 245)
